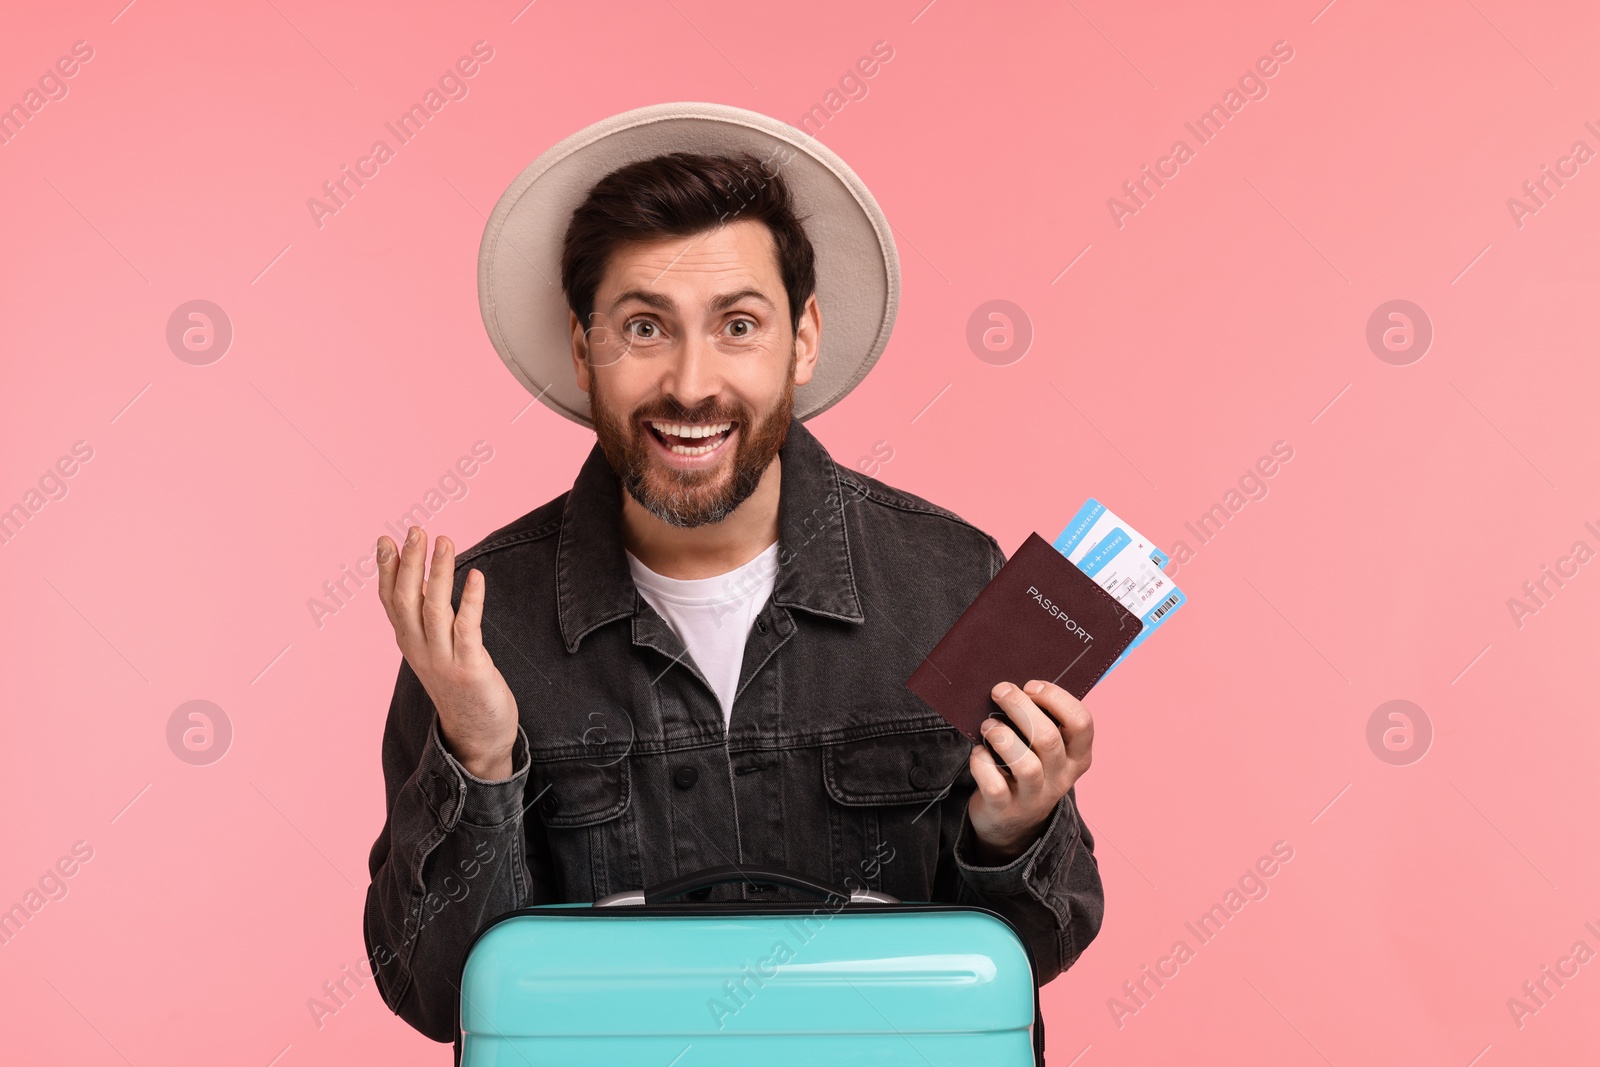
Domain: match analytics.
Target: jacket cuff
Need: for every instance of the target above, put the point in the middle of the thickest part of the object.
(1030, 873)
(456, 795)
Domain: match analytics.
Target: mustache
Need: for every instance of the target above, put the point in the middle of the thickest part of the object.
(672, 412)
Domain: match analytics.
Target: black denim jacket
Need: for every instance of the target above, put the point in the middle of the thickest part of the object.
(625, 775)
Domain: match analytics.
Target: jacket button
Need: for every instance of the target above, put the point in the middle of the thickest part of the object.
(919, 777)
(550, 804)
(685, 777)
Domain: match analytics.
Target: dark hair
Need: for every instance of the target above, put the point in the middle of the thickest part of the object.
(677, 195)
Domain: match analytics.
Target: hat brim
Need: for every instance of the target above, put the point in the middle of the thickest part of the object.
(519, 259)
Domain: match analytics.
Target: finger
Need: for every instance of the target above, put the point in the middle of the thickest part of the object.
(1033, 725)
(388, 558)
(1077, 725)
(1025, 765)
(992, 785)
(1059, 704)
(437, 614)
(1038, 729)
(407, 591)
(469, 618)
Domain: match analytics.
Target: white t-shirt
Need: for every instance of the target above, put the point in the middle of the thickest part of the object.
(712, 616)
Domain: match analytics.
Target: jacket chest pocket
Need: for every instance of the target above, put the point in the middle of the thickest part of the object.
(887, 797)
(585, 806)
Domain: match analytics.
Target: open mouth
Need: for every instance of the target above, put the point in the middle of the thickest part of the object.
(689, 438)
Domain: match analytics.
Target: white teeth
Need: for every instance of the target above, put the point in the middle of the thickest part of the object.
(685, 450)
(685, 429)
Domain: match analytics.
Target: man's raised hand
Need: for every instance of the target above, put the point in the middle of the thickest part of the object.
(477, 710)
(1054, 750)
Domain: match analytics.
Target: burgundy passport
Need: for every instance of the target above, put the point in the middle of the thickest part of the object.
(1040, 617)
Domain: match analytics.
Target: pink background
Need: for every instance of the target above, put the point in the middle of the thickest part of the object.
(1227, 314)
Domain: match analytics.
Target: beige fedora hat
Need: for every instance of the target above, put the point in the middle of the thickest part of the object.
(519, 260)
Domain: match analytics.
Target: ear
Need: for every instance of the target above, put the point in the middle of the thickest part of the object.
(807, 340)
(580, 350)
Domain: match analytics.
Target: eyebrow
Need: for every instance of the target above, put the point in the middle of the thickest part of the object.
(661, 302)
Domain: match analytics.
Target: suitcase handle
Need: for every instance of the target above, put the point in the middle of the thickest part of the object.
(712, 876)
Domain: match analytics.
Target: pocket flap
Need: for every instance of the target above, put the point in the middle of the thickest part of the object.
(580, 792)
(903, 768)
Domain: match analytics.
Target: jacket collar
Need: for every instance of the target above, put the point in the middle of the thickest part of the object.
(594, 586)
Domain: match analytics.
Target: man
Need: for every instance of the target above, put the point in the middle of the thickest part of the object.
(696, 656)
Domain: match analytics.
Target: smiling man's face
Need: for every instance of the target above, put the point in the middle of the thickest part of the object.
(691, 368)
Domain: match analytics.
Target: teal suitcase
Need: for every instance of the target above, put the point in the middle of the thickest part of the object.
(646, 980)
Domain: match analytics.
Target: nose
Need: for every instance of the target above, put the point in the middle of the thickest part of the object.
(691, 374)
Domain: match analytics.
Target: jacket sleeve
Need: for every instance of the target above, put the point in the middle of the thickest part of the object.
(1051, 893)
(454, 853)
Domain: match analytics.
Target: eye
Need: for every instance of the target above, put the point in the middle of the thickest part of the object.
(643, 329)
(742, 327)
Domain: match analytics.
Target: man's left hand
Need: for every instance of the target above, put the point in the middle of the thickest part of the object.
(1009, 814)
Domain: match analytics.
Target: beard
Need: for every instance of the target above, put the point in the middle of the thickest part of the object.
(690, 497)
